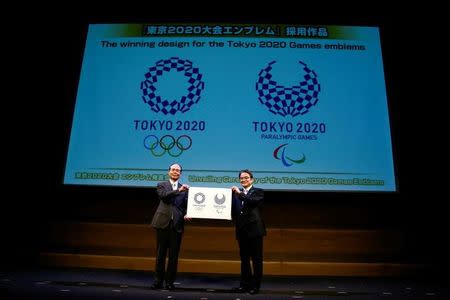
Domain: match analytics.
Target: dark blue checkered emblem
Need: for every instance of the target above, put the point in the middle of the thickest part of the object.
(280, 100)
(156, 102)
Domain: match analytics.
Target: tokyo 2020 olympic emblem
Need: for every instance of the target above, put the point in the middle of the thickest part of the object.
(157, 102)
(295, 100)
(199, 198)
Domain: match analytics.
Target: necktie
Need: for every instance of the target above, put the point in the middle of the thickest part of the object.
(174, 187)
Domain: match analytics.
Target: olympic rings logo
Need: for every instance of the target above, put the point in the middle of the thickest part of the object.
(168, 143)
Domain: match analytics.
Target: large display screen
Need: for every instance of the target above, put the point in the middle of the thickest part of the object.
(302, 106)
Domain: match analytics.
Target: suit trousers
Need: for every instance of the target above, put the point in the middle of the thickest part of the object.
(251, 249)
(167, 240)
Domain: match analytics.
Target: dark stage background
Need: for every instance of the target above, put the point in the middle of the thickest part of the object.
(46, 54)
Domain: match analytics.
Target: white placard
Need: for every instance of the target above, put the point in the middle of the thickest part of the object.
(209, 203)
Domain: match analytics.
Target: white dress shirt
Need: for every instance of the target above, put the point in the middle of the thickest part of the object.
(174, 185)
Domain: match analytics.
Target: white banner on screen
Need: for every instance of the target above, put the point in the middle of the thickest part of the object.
(209, 203)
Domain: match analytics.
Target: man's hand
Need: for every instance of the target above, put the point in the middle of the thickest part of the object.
(235, 189)
(183, 188)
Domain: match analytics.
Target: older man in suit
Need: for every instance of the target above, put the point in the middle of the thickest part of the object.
(250, 229)
(168, 221)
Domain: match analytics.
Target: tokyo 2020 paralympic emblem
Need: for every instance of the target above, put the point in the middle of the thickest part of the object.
(219, 199)
(295, 100)
(156, 102)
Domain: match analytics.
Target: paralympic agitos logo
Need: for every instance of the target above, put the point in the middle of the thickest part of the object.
(286, 160)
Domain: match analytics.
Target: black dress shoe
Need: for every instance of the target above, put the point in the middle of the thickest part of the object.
(156, 286)
(170, 286)
(239, 289)
(253, 291)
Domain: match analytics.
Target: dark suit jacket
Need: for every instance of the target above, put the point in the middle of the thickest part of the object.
(247, 217)
(172, 203)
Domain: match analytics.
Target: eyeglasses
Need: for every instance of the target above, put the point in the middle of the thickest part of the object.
(175, 170)
(244, 178)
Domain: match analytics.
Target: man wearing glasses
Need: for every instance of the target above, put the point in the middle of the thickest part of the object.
(168, 221)
(250, 229)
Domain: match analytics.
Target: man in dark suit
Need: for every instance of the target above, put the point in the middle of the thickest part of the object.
(169, 224)
(250, 229)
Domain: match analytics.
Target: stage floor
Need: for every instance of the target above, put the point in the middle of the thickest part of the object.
(119, 284)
